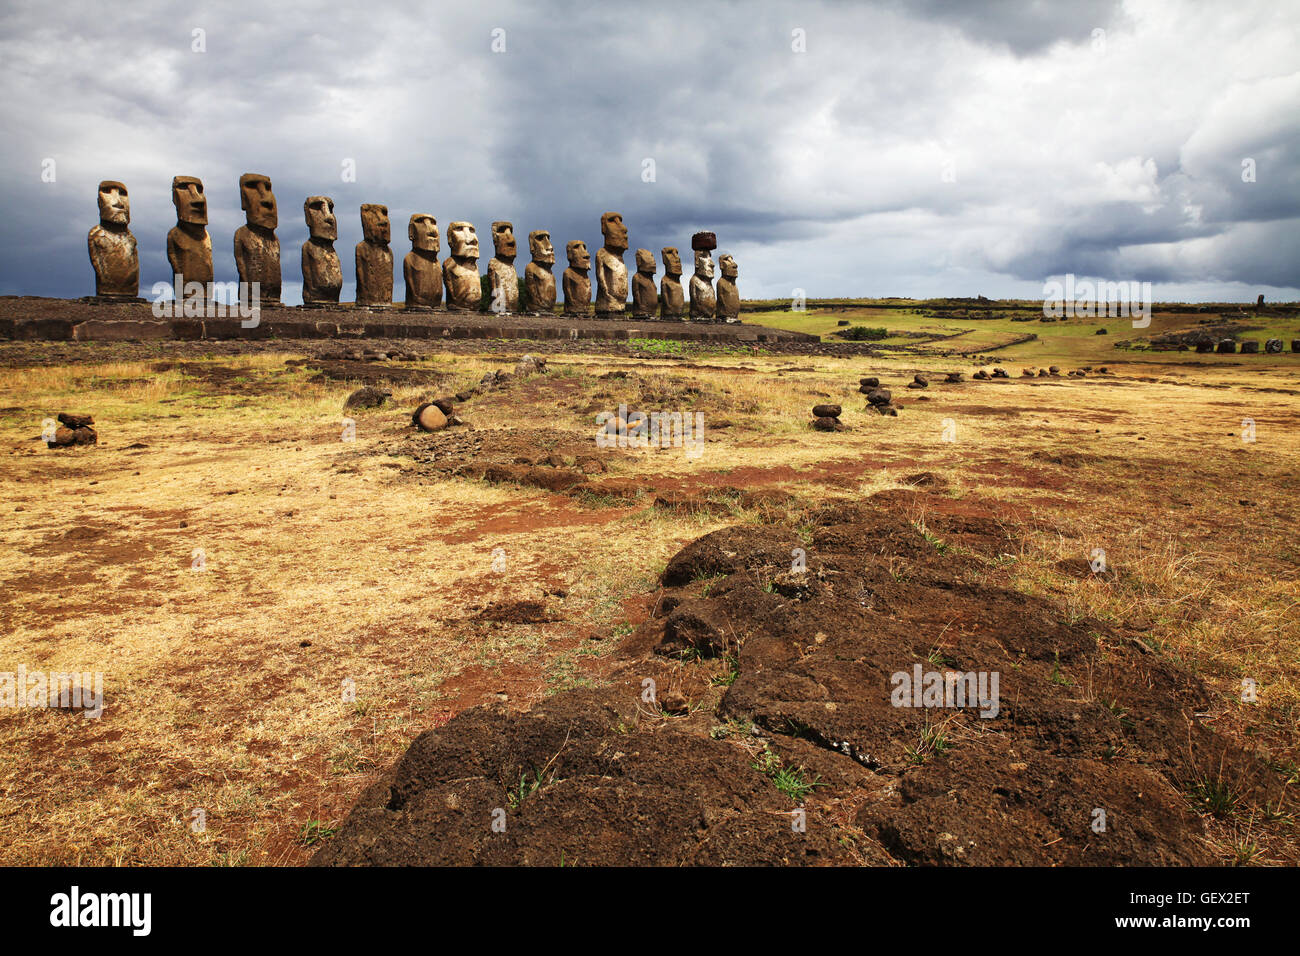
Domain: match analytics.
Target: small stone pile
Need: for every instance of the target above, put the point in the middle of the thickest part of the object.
(826, 418)
(73, 430)
(881, 400)
(919, 381)
(955, 378)
(865, 385)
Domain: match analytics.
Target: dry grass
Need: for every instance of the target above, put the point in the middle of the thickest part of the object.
(329, 562)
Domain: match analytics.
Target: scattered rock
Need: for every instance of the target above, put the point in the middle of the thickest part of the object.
(1100, 332)
(1226, 347)
(367, 397)
(880, 396)
(827, 424)
(1250, 347)
(826, 411)
(1273, 346)
(429, 418)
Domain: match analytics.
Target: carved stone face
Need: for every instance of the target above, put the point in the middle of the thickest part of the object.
(540, 248)
(114, 206)
(462, 240)
(257, 200)
(579, 257)
(423, 233)
(645, 262)
(503, 240)
(703, 264)
(187, 196)
(615, 233)
(729, 268)
(319, 212)
(672, 261)
(374, 223)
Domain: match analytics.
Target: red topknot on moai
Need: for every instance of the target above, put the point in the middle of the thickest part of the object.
(704, 242)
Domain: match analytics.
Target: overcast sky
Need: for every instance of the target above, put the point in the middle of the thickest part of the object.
(913, 149)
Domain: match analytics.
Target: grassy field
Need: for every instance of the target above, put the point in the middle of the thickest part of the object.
(1074, 340)
(278, 612)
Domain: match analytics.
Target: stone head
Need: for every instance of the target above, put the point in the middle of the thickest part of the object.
(503, 240)
(615, 233)
(703, 264)
(319, 213)
(645, 262)
(579, 257)
(728, 266)
(374, 223)
(114, 206)
(257, 200)
(423, 233)
(462, 240)
(187, 196)
(540, 248)
(672, 261)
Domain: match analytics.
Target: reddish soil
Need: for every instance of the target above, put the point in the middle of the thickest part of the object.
(751, 659)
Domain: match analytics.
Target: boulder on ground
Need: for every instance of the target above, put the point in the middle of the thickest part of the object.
(429, 418)
(827, 424)
(367, 397)
(954, 378)
(981, 375)
(1054, 370)
(1101, 331)
(1204, 345)
(1226, 347)
(880, 396)
(65, 437)
(1000, 373)
(920, 380)
(1250, 347)
(1026, 373)
(1273, 346)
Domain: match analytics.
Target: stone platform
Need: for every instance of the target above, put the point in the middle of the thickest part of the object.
(28, 318)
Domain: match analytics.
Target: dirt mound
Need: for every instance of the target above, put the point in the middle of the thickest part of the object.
(864, 674)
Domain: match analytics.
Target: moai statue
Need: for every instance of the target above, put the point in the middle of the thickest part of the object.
(112, 247)
(645, 300)
(503, 280)
(611, 273)
(674, 299)
(189, 248)
(539, 281)
(420, 267)
(322, 273)
(374, 259)
(460, 268)
(703, 300)
(728, 308)
(577, 287)
(257, 250)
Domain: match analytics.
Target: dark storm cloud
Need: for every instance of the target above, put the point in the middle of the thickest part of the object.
(913, 149)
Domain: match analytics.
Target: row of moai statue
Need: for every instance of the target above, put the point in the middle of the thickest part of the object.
(116, 262)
